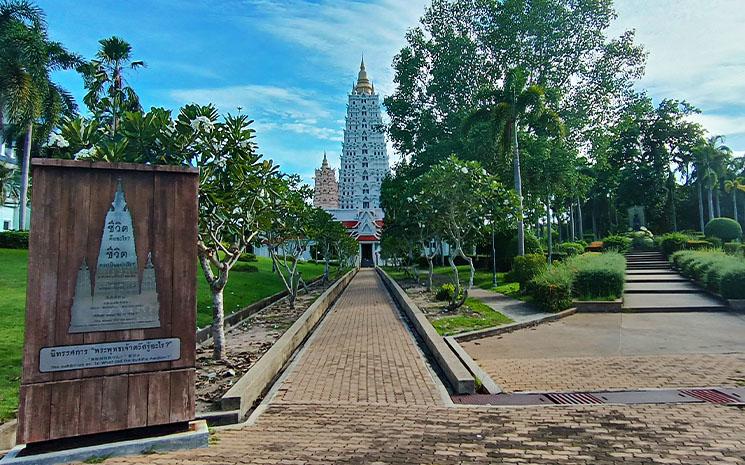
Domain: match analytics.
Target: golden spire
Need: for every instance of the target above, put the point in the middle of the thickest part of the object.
(363, 83)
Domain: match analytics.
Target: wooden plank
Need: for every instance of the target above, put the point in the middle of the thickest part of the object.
(64, 409)
(184, 306)
(163, 227)
(91, 401)
(57, 162)
(137, 402)
(34, 413)
(114, 398)
(74, 203)
(182, 395)
(41, 295)
(159, 398)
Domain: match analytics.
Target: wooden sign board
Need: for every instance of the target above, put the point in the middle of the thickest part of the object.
(111, 299)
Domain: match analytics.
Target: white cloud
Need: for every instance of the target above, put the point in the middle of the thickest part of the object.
(696, 53)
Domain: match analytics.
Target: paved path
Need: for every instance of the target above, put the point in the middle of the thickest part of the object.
(340, 404)
(517, 310)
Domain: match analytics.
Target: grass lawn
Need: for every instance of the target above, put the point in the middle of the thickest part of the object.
(243, 289)
(471, 316)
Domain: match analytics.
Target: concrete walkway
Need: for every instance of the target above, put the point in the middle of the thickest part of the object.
(518, 310)
(361, 393)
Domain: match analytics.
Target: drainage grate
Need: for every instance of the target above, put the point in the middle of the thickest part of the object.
(573, 398)
(711, 395)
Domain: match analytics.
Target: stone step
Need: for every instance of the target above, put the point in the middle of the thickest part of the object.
(660, 278)
(658, 287)
(652, 271)
(645, 259)
(650, 262)
(671, 302)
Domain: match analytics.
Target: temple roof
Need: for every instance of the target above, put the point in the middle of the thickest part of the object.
(364, 86)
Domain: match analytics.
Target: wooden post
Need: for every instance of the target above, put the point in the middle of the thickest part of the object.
(111, 299)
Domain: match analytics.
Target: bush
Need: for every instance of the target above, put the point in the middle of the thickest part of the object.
(696, 244)
(532, 245)
(571, 248)
(14, 240)
(244, 267)
(598, 275)
(616, 243)
(734, 248)
(552, 289)
(716, 270)
(527, 267)
(725, 229)
(732, 284)
(247, 257)
(672, 242)
(445, 292)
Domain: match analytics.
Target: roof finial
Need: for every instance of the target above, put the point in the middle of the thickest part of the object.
(363, 83)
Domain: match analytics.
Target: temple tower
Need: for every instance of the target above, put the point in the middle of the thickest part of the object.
(326, 192)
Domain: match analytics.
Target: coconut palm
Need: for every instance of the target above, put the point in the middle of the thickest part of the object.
(108, 93)
(28, 97)
(733, 185)
(505, 110)
(711, 157)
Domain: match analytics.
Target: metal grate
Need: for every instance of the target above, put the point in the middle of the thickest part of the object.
(573, 398)
(711, 395)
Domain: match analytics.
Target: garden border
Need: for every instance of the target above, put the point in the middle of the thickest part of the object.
(249, 388)
(598, 306)
(458, 376)
(204, 335)
(482, 333)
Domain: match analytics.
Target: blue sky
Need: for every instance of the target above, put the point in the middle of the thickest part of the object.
(290, 64)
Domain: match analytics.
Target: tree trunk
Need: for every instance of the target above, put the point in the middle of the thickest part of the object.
(454, 302)
(717, 205)
(710, 201)
(468, 260)
(734, 204)
(326, 270)
(700, 206)
(431, 272)
(548, 224)
(519, 190)
(493, 260)
(579, 221)
(218, 323)
(571, 222)
(25, 169)
(594, 221)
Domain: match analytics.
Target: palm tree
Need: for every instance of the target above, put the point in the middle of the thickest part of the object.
(108, 93)
(733, 185)
(504, 110)
(711, 158)
(27, 94)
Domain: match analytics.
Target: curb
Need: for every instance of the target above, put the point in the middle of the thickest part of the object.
(456, 373)
(243, 394)
(481, 333)
(486, 382)
(598, 306)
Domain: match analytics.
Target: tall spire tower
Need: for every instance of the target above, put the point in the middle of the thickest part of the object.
(326, 192)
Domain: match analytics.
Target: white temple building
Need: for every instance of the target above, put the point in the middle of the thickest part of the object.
(364, 164)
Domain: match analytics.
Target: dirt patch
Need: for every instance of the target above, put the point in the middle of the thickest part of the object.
(246, 343)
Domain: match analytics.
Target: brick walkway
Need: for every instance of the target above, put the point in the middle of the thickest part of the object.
(341, 404)
(629, 372)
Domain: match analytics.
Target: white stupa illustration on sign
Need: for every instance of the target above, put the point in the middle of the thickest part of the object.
(119, 299)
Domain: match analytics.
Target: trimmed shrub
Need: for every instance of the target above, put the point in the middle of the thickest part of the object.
(616, 243)
(732, 284)
(445, 292)
(725, 229)
(716, 270)
(697, 244)
(244, 267)
(14, 240)
(247, 257)
(552, 289)
(527, 267)
(672, 242)
(571, 248)
(598, 275)
(733, 248)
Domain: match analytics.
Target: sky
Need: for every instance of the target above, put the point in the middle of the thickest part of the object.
(290, 64)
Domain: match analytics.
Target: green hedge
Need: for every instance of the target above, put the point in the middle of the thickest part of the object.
(14, 240)
(598, 276)
(714, 269)
(734, 248)
(586, 276)
(672, 242)
(616, 243)
(571, 248)
(245, 267)
(725, 229)
(527, 267)
(247, 257)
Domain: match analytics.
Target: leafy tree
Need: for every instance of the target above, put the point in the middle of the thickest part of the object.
(330, 238)
(28, 97)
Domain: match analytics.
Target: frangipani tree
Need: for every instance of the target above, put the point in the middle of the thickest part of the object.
(462, 194)
(329, 236)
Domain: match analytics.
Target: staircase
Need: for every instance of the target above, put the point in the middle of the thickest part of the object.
(653, 286)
